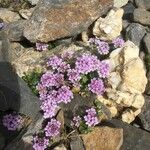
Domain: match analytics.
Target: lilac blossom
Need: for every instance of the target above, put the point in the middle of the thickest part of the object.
(118, 42)
(103, 69)
(76, 121)
(96, 86)
(64, 94)
(41, 46)
(91, 117)
(52, 79)
(12, 121)
(63, 67)
(86, 63)
(40, 143)
(52, 128)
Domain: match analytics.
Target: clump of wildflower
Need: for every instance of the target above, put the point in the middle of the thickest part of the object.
(41, 46)
(50, 79)
(40, 143)
(91, 117)
(96, 86)
(76, 121)
(12, 121)
(52, 128)
(86, 63)
(103, 69)
(64, 94)
(118, 42)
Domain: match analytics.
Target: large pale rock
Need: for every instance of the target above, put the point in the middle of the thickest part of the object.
(8, 16)
(103, 138)
(109, 28)
(120, 3)
(53, 20)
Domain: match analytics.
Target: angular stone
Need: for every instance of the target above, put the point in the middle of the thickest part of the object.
(109, 28)
(143, 4)
(33, 2)
(26, 13)
(142, 16)
(133, 138)
(9, 16)
(53, 20)
(135, 33)
(103, 138)
(146, 41)
(76, 143)
(120, 3)
(145, 114)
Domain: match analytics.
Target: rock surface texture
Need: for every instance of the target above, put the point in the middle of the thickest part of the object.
(53, 20)
(127, 82)
(109, 28)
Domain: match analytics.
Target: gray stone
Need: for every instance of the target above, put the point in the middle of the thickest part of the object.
(14, 30)
(142, 16)
(135, 33)
(76, 143)
(128, 11)
(133, 138)
(53, 20)
(33, 2)
(143, 4)
(147, 90)
(120, 3)
(146, 41)
(145, 114)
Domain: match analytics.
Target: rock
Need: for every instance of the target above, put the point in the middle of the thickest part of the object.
(26, 13)
(76, 143)
(135, 33)
(145, 114)
(109, 28)
(120, 3)
(33, 2)
(142, 16)
(133, 137)
(2, 141)
(8, 16)
(146, 41)
(99, 139)
(14, 30)
(48, 18)
(60, 147)
(147, 91)
(143, 4)
(128, 11)
(125, 88)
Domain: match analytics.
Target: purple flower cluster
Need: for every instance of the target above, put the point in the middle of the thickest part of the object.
(41, 46)
(12, 121)
(52, 129)
(103, 69)
(118, 42)
(91, 117)
(40, 143)
(86, 63)
(96, 86)
(76, 121)
(103, 47)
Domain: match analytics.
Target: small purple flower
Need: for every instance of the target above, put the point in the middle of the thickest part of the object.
(2, 25)
(41, 46)
(103, 69)
(64, 94)
(118, 42)
(91, 117)
(76, 121)
(50, 79)
(41, 89)
(52, 128)
(96, 86)
(54, 62)
(73, 76)
(103, 47)
(12, 121)
(40, 143)
(49, 108)
(63, 67)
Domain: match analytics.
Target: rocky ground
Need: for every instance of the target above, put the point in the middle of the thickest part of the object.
(68, 26)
